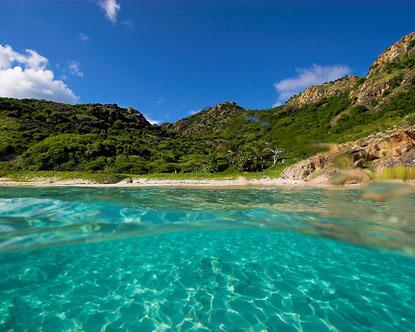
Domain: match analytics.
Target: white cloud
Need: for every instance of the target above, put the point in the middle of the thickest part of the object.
(306, 77)
(152, 121)
(27, 76)
(83, 37)
(128, 24)
(193, 112)
(31, 60)
(111, 8)
(75, 68)
(160, 101)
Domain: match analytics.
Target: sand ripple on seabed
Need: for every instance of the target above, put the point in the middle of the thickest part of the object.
(233, 280)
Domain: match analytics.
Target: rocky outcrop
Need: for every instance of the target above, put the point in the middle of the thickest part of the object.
(393, 148)
(315, 93)
(391, 72)
(304, 169)
(396, 148)
(388, 72)
(371, 90)
(403, 46)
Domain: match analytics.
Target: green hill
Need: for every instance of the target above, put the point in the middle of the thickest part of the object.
(43, 135)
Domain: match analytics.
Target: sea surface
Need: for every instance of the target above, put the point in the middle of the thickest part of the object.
(183, 259)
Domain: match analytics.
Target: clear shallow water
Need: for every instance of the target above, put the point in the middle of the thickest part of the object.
(205, 259)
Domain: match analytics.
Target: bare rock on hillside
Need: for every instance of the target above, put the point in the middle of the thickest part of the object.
(383, 76)
(393, 148)
(315, 93)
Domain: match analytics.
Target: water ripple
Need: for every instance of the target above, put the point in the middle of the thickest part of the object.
(33, 217)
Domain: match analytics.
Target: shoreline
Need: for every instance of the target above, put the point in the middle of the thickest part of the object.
(208, 183)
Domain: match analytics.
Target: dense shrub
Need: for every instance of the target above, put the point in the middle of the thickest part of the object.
(64, 152)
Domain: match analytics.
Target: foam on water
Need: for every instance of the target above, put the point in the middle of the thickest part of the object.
(228, 260)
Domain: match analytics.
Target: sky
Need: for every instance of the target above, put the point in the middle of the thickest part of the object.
(170, 59)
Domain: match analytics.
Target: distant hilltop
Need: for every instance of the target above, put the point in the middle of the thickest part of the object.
(210, 119)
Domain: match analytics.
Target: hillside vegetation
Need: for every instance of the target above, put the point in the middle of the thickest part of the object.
(39, 135)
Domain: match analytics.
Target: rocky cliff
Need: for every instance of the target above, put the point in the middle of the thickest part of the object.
(392, 72)
(315, 93)
(404, 46)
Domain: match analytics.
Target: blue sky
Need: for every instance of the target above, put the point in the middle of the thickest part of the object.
(169, 59)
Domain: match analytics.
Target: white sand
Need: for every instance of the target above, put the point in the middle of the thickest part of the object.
(240, 182)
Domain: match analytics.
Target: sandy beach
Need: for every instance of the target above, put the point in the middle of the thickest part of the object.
(208, 183)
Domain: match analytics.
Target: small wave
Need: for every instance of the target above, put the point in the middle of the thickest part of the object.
(32, 218)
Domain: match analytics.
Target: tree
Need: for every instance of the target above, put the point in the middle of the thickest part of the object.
(250, 157)
(275, 153)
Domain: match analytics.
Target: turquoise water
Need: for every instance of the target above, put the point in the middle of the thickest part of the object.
(143, 259)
